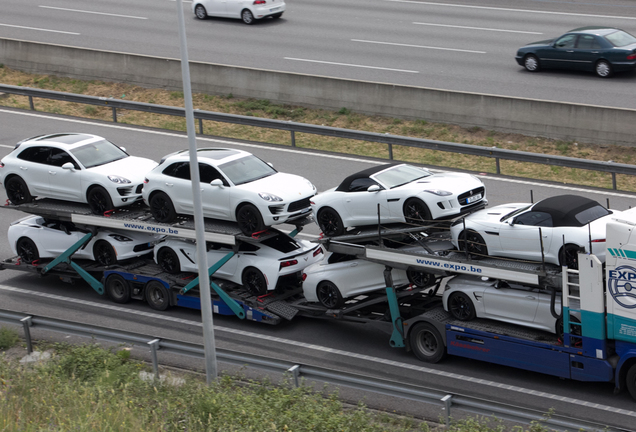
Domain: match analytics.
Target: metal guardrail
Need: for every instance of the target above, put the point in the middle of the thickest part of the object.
(297, 371)
(292, 127)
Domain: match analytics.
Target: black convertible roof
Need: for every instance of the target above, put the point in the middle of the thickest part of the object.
(564, 208)
(344, 186)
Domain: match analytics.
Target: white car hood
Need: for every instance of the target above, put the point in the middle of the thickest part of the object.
(494, 214)
(289, 187)
(133, 168)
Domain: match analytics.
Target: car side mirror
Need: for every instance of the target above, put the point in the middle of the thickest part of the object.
(68, 166)
(511, 222)
(123, 148)
(217, 182)
(373, 188)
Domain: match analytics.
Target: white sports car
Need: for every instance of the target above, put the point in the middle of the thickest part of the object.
(340, 276)
(404, 193)
(470, 297)
(35, 237)
(567, 223)
(259, 265)
(235, 186)
(74, 167)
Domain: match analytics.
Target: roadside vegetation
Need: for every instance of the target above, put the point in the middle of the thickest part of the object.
(344, 118)
(89, 388)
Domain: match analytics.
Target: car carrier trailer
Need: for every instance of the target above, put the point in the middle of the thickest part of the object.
(598, 302)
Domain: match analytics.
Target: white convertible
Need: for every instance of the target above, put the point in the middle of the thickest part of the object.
(399, 193)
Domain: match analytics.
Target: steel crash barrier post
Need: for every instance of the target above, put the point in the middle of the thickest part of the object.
(154, 346)
(448, 401)
(27, 322)
(295, 371)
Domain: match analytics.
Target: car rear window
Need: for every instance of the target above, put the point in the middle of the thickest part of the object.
(620, 38)
(591, 214)
(282, 243)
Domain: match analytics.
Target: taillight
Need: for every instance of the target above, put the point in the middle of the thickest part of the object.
(303, 277)
(598, 241)
(288, 263)
(317, 252)
(632, 56)
(311, 202)
(1, 164)
(145, 181)
(259, 2)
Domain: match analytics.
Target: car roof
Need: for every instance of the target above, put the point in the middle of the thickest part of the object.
(213, 155)
(344, 185)
(70, 140)
(600, 31)
(563, 208)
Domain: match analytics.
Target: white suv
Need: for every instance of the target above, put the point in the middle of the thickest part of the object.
(235, 186)
(73, 167)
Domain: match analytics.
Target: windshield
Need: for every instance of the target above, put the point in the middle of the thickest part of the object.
(513, 213)
(400, 175)
(98, 153)
(620, 38)
(247, 169)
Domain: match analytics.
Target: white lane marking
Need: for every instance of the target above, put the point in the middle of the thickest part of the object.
(291, 150)
(477, 28)
(419, 46)
(38, 29)
(350, 65)
(92, 12)
(320, 348)
(512, 10)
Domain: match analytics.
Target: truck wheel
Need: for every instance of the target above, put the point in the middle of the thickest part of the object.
(427, 343)
(631, 381)
(157, 295)
(117, 289)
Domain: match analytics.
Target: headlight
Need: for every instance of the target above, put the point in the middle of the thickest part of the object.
(120, 237)
(118, 179)
(269, 197)
(438, 192)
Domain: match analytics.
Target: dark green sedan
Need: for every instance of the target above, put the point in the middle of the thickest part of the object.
(603, 50)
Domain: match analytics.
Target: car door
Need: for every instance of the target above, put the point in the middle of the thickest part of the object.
(233, 8)
(511, 303)
(522, 236)
(560, 54)
(361, 204)
(215, 199)
(355, 276)
(588, 50)
(175, 182)
(32, 167)
(64, 184)
(216, 8)
(216, 252)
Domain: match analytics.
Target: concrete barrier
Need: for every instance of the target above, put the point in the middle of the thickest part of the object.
(567, 121)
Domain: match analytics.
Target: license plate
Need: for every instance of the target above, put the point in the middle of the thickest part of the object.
(274, 9)
(473, 198)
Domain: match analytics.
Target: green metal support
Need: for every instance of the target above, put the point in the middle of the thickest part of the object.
(65, 257)
(397, 337)
(236, 308)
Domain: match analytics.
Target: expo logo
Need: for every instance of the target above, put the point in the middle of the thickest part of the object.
(622, 286)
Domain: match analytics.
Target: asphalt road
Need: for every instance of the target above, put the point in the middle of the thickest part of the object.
(456, 45)
(342, 346)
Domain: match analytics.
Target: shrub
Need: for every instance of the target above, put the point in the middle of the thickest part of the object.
(8, 337)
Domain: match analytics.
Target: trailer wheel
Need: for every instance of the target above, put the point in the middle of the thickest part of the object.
(427, 343)
(631, 380)
(157, 295)
(117, 289)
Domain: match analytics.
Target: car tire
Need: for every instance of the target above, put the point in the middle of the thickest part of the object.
(247, 17)
(472, 242)
(162, 208)
(168, 260)
(254, 281)
(329, 295)
(249, 219)
(117, 289)
(420, 278)
(17, 191)
(531, 63)
(200, 12)
(461, 307)
(27, 250)
(157, 295)
(104, 253)
(416, 212)
(603, 69)
(569, 256)
(330, 222)
(99, 200)
(276, 16)
(426, 343)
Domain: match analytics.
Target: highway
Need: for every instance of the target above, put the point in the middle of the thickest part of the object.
(344, 346)
(466, 46)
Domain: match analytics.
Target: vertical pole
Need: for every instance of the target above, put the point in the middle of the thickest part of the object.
(295, 371)
(31, 103)
(293, 137)
(202, 257)
(448, 400)
(608, 204)
(114, 114)
(26, 323)
(614, 181)
(201, 126)
(155, 362)
(390, 151)
(531, 197)
(498, 166)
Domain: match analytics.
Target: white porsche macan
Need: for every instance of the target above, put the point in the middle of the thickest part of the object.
(402, 193)
(74, 167)
(235, 186)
